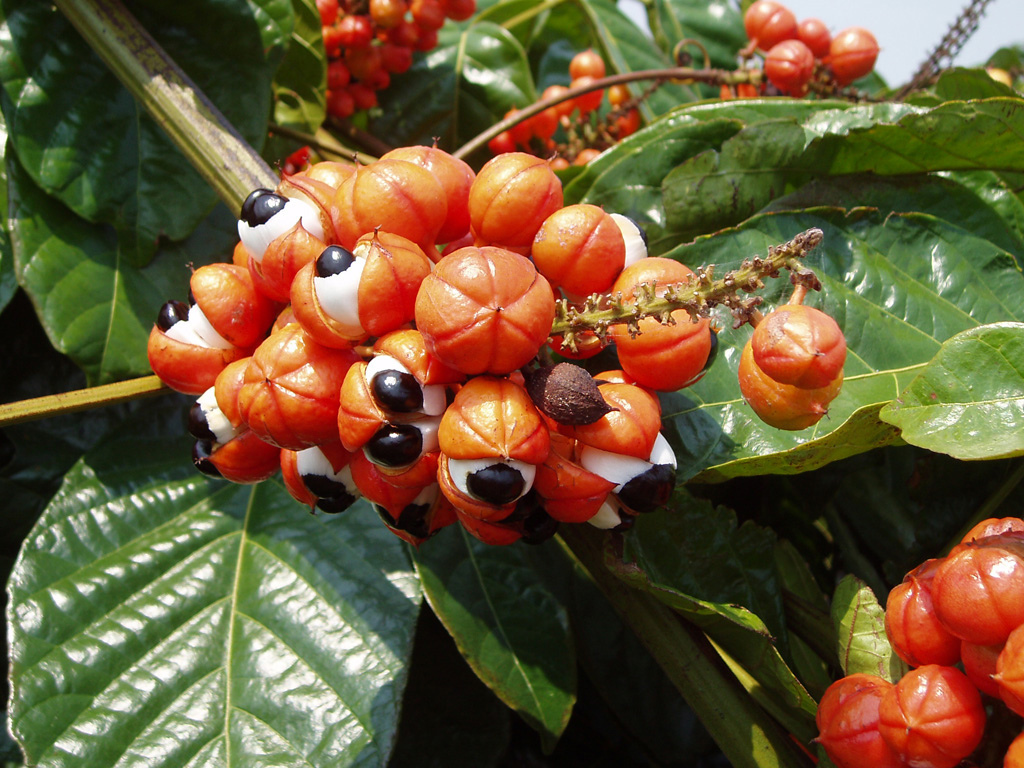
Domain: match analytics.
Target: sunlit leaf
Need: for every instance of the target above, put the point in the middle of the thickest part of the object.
(968, 402)
(896, 309)
(860, 627)
(159, 617)
(83, 138)
(94, 305)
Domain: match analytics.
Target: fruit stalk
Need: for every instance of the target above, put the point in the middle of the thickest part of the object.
(697, 297)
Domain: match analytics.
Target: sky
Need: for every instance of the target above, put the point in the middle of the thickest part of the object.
(908, 30)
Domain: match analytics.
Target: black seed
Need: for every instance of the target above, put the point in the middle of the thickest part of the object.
(397, 391)
(323, 487)
(201, 458)
(625, 525)
(170, 313)
(335, 504)
(415, 520)
(333, 261)
(650, 489)
(537, 526)
(497, 484)
(394, 445)
(198, 426)
(260, 206)
(385, 516)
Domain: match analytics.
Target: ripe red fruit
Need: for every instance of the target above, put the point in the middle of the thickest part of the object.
(456, 178)
(768, 23)
(789, 66)
(484, 310)
(587, 63)
(580, 248)
(848, 723)
(914, 630)
(458, 10)
(387, 13)
(852, 54)
(510, 198)
(587, 102)
(993, 527)
(328, 10)
(1009, 675)
(815, 35)
(799, 345)
(932, 717)
(427, 14)
(979, 593)
(783, 406)
(355, 31)
(980, 665)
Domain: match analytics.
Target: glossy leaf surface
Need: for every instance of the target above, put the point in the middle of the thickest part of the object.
(968, 402)
(157, 616)
(507, 624)
(95, 306)
(82, 137)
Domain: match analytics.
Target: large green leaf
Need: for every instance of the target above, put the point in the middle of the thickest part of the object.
(628, 178)
(766, 159)
(94, 305)
(896, 308)
(161, 618)
(722, 577)
(968, 402)
(84, 139)
(506, 622)
(457, 91)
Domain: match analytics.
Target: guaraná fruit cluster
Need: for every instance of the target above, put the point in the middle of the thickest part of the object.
(377, 335)
(958, 621)
(799, 54)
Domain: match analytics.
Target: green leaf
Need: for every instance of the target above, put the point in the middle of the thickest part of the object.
(507, 624)
(464, 86)
(968, 402)
(84, 139)
(721, 576)
(300, 83)
(716, 24)
(94, 305)
(895, 307)
(773, 157)
(158, 617)
(618, 665)
(960, 84)
(860, 627)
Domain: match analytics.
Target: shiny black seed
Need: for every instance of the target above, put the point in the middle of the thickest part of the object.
(537, 526)
(626, 524)
(335, 504)
(415, 520)
(497, 484)
(260, 206)
(170, 313)
(333, 261)
(324, 487)
(198, 426)
(394, 445)
(397, 391)
(650, 489)
(201, 452)
(385, 516)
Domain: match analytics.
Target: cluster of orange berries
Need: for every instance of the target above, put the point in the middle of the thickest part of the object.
(959, 622)
(367, 41)
(536, 134)
(377, 334)
(796, 53)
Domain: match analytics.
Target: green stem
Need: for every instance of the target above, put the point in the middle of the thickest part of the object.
(812, 625)
(747, 736)
(80, 400)
(191, 120)
(696, 297)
